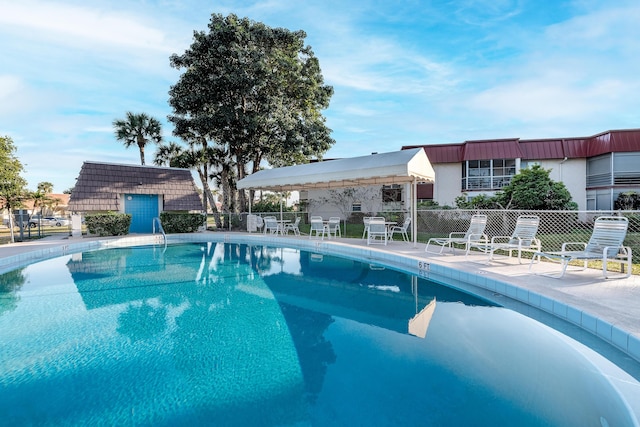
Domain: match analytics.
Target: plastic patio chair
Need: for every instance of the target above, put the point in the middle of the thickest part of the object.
(365, 221)
(259, 222)
(317, 227)
(293, 227)
(333, 227)
(401, 229)
(377, 231)
(271, 225)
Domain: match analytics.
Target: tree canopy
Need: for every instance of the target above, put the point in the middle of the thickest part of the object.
(252, 92)
(12, 185)
(530, 189)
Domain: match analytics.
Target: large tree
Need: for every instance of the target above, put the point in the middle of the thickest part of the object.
(533, 189)
(138, 129)
(252, 92)
(12, 185)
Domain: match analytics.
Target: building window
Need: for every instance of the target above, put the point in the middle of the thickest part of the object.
(391, 193)
(625, 169)
(487, 174)
(599, 171)
(356, 207)
(392, 197)
(600, 199)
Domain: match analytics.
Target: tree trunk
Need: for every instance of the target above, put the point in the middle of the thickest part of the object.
(141, 144)
(226, 194)
(209, 196)
(241, 194)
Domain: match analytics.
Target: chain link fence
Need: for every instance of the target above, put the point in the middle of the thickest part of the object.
(556, 227)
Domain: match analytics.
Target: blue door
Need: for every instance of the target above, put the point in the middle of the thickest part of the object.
(143, 208)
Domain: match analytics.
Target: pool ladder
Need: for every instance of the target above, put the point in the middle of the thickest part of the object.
(156, 220)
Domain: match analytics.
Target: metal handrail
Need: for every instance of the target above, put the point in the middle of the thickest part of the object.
(164, 236)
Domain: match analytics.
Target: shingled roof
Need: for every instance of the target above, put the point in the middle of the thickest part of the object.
(100, 185)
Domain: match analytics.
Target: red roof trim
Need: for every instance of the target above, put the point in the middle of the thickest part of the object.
(487, 150)
(613, 141)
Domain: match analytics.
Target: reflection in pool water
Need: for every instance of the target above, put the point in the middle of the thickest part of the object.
(227, 334)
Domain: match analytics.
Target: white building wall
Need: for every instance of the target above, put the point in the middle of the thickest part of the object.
(571, 172)
(448, 182)
(328, 203)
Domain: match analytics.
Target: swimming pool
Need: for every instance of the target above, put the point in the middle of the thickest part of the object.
(234, 334)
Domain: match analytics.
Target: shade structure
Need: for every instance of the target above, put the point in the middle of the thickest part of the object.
(395, 167)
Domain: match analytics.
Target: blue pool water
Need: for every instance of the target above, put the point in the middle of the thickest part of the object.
(227, 334)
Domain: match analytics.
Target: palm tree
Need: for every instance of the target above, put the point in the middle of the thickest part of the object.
(194, 158)
(171, 155)
(46, 187)
(138, 129)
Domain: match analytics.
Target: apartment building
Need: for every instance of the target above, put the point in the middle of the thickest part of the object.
(595, 169)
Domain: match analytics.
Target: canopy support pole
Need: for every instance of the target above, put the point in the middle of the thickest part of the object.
(414, 211)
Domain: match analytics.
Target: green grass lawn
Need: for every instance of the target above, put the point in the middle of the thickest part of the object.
(31, 234)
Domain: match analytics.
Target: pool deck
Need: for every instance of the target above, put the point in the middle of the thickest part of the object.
(610, 308)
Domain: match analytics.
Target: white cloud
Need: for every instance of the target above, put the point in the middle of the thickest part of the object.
(10, 89)
(485, 13)
(571, 74)
(82, 26)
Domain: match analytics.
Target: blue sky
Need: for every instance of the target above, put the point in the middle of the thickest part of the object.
(404, 72)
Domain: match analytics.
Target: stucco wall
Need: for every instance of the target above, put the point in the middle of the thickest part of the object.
(447, 183)
(572, 172)
(328, 203)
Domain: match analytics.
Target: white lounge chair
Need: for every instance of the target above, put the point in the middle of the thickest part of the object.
(605, 244)
(522, 239)
(475, 234)
(377, 231)
(401, 229)
(317, 227)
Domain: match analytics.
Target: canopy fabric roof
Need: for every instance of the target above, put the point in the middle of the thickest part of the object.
(396, 167)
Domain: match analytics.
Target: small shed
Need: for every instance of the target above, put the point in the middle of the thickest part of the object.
(142, 191)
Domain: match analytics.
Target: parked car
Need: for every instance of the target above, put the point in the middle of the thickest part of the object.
(48, 221)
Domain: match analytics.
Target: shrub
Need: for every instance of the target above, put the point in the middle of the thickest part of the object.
(180, 222)
(629, 200)
(108, 224)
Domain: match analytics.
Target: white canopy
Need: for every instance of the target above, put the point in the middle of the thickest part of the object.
(396, 167)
